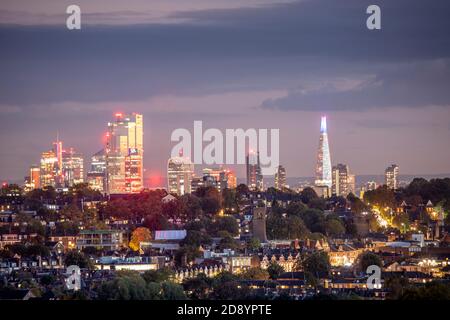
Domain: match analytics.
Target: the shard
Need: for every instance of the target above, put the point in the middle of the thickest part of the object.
(323, 167)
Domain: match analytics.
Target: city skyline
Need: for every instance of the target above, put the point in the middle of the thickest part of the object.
(162, 179)
(385, 99)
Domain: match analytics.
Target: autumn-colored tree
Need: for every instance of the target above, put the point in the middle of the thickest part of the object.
(139, 235)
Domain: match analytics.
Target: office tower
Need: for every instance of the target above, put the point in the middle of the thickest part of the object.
(48, 166)
(35, 177)
(124, 154)
(323, 167)
(196, 183)
(280, 178)
(58, 150)
(351, 182)
(97, 174)
(370, 185)
(254, 176)
(219, 177)
(343, 180)
(231, 179)
(340, 175)
(72, 167)
(180, 171)
(391, 176)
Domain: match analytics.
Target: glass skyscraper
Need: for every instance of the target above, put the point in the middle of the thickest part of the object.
(323, 167)
(254, 175)
(124, 154)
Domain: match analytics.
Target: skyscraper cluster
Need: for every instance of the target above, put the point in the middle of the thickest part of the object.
(59, 168)
(118, 167)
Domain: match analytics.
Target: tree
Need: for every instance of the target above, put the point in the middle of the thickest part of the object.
(228, 242)
(72, 213)
(274, 270)
(78, 259)
(127, 285)
(38, 250)
(186, 254)
(230, 202)
(198, 287)
(210, 199)
(158, 276)
(139, 235)
(295, 208)
(255, 273)
(196, 238)
(192, 206)
(253, 244)
(314, 220)
(368, 259)
(156, 222)
(382, 197)
(317, 263)
(308, 194)
(296, 228)
(172, 291)
(357, 206)
(334, 227)
(228, 224)
(227, 287)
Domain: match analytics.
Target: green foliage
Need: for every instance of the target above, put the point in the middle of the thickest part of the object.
(253, 244)
(128, 285)
(431, 291)
(196, 238)
(317, 263)
(172, 291)
(368, 259)
(78, 259)
(186, 254)
(158, 276)
(334, 227)
(228, 224)
(274, 270)
(255, 273)
(198, 287)
(228, 242)
(382, 197)
(290, 227)
(227, 287)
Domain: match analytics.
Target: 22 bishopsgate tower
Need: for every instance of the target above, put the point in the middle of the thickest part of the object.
(323, 167)
(124, 154)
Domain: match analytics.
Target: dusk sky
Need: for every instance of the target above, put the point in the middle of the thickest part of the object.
(232, 64)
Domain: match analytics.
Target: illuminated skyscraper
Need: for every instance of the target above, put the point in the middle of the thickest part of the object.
(72, 167)
(323, 167)
(254, 176)
(124, 154)
(391, 176)
(35, 177)
(49, 165)
(180, 171)
(280, 178)
(97, 174)
(33, 181)
(343, 180)
(221, 178)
